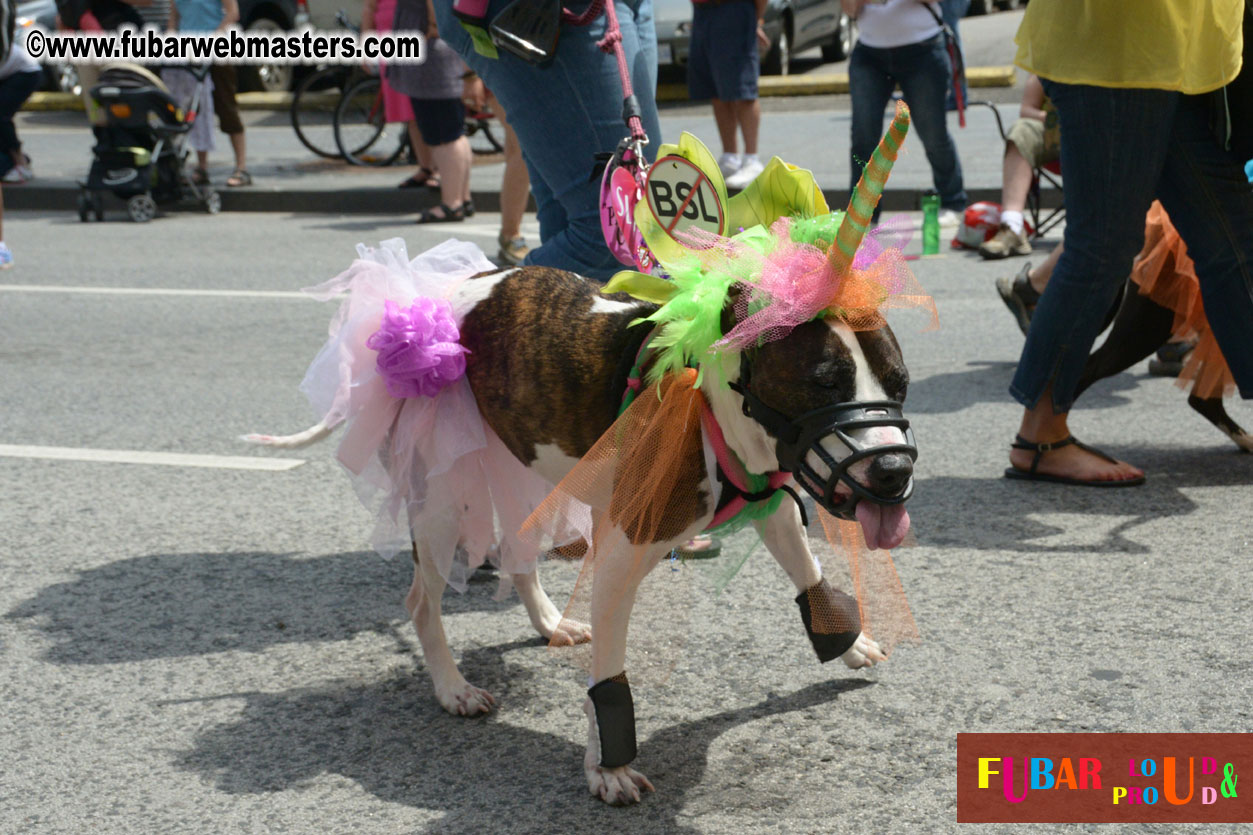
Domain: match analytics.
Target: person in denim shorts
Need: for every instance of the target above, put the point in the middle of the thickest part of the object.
(723, 65)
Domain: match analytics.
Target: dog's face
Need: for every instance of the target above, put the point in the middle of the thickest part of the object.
(823, 363)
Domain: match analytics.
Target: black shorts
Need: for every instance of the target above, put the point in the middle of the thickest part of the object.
(440, 121)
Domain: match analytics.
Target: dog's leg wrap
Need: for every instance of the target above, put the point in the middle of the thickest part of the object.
(831, 619)
(615, 720)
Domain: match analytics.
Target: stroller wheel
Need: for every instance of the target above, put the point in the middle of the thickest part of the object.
(84, 205)
(212, 202)
(142, 208)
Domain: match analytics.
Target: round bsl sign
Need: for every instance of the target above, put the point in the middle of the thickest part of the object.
(681, 196)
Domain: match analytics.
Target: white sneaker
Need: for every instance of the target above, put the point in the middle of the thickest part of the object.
(728, 164)
(6, 257)
(14, 176)
(948, 217)
(749, 169)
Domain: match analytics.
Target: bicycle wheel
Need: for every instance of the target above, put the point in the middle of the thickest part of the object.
(362, 132)
(479, 130)
(313, 109)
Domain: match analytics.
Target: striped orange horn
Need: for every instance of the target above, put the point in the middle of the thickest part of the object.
(869, 189)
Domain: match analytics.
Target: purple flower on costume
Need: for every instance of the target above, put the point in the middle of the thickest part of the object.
(418, 352)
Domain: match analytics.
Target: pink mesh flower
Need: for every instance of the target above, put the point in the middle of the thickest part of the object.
(418, 352)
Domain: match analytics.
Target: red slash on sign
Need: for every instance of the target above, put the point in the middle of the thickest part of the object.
(678, 190)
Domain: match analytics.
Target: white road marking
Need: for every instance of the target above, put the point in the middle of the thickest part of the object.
(155, 291)
(169, 459)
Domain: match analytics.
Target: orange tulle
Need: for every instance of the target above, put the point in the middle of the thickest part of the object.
(637, 493)
(1165, 273)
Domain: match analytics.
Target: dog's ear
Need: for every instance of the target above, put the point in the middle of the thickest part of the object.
(731, 309)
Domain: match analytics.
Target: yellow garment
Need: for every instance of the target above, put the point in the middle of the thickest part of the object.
(1192, 46)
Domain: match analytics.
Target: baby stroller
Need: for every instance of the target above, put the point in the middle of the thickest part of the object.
(140, 153)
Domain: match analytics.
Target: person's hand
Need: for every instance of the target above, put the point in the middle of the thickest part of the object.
(432, 30)
(763, 40)
(853, 8)
(474, 94)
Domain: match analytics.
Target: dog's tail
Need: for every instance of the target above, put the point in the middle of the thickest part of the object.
(312, 435)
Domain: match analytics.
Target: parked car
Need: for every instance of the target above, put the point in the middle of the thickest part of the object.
(791, 25)
(266, 17)
(57, 77)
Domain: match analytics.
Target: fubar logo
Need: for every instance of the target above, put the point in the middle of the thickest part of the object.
(1102, 778)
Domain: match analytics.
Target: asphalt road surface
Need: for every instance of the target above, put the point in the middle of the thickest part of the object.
(192, 648)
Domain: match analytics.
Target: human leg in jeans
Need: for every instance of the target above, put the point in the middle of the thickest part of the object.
(15, 90)
(564, 114)
(1115, 149)
(1204, 190)
(923, 72)
(870, 86)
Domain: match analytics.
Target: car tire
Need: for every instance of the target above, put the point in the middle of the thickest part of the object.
(779, 59)
(267, 78)
(841, 43)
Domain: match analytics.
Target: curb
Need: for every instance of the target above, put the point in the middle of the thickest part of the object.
(62, 197)
(767, 87)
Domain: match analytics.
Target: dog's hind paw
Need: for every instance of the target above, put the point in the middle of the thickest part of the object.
(863, 653)
(616, 786)
(567, 633)
(465, 699)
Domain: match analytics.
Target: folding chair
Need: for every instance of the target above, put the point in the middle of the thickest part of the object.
(1041, 219)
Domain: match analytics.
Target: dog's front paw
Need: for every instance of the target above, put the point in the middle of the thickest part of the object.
(863, 653)
(464, 699)
(616, 786)
(568, 632)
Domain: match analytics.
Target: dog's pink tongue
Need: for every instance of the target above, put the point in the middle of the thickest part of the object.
(884, 526)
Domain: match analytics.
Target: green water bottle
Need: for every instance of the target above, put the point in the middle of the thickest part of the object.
(931, 223)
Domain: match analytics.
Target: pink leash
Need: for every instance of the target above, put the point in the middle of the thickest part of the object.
(612, 42)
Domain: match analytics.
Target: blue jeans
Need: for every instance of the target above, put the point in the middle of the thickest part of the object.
(14, 91)
(922, 70)
(564, 114)
(1122, 148)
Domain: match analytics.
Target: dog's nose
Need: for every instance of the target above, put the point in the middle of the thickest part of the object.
(889, 473)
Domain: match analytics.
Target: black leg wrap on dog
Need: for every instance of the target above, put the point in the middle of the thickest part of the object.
(615, 720)
(831, 619)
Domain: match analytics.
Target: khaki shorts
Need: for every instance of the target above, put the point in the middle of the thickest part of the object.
(1029, 136)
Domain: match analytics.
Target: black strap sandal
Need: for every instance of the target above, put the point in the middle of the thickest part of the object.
(422, 178)
(449, 215)
(1039, 449)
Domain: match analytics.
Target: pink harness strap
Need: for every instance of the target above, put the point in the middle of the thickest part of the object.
(733, 469)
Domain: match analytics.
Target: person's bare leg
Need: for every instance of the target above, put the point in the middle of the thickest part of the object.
(1042, 425)
(1015, 179)
(748, 116)
(421, 151)
(724, 117)
(202, 160)
(453, 159)
(515, 187)
(1039, 276)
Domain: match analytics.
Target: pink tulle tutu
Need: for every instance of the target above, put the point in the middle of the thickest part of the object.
(427, 462)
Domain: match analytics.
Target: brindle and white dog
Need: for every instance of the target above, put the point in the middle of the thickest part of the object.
(547, 365)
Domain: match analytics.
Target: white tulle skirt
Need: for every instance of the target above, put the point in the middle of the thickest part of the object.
(429, 467)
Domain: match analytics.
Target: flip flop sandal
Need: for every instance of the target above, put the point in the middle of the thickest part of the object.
(449, 215)
(1039, 449)
(239, 178)
(1019, 296)
(200, 177)
(690, 551)
(422, 178)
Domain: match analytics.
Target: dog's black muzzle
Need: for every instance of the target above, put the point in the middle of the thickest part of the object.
(797, 437)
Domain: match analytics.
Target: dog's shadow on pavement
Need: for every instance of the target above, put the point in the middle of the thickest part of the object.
(169, 605)
(1000, 514)
(482, 775)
